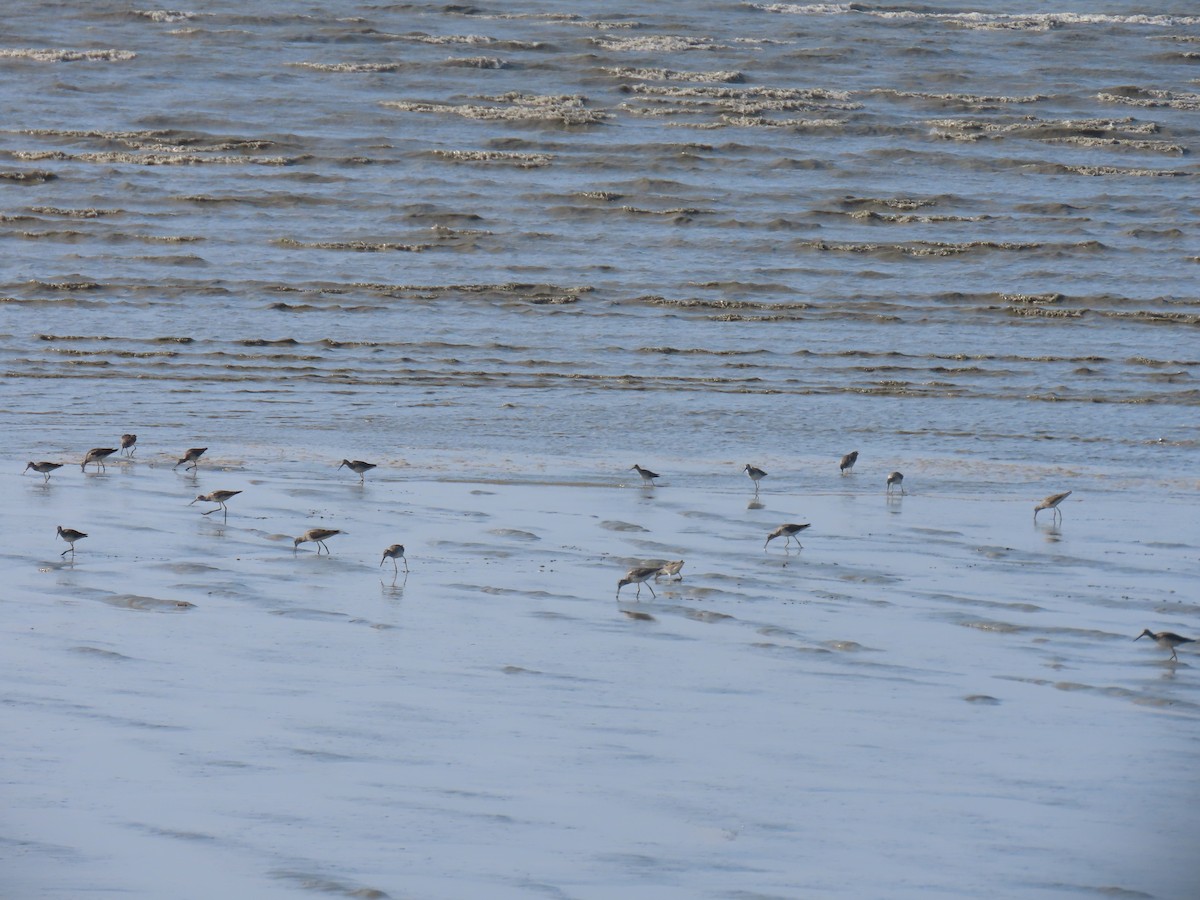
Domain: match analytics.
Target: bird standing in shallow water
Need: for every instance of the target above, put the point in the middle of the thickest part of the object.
(395, 552)
(127, 443)
(639, 575)
(847, 462)
(756, 475)
(1052, 502)
(97, 455)
(671, 570)
(192, 456)
(358, 467)
(647, 476)
(43, 468)
(218, 497)
(70, 535)
(895, 479)
(789, 532)
(1168, 640)
(317, 535)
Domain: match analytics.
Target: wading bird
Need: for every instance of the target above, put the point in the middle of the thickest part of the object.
(756, 475)
(787, 531)
(97, 455)
(70, 535)
(1051, 502)
(639, 575)
(395, 552)
(43, 468)
(1168, 640)
(358, 467)
(218, 497)
(192, 456)
(317, 535)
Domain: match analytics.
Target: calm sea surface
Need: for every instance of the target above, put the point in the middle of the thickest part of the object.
(536, 243)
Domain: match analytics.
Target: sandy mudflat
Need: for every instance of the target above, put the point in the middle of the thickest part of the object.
(933, 695)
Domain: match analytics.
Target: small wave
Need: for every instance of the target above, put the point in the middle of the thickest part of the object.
(1014, 21)
(521, 160)
(352, 246)
(166, 141)
(69, 55)
(469, 39)
(164, 15)
(477, 62)
(926, 249)
(662, 43)
(66, 285)
(1149, 97)
(730, 77)
(970, 101)
(156, 159)
(29, 176)
(350, 67)
(89, 213)
(514, 106)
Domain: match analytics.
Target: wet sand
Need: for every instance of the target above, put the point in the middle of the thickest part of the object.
(934, 695)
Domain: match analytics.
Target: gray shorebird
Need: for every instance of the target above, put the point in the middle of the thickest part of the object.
(1052, 502)
(70, 535)
(395, 552)
(846, 463)
(97, 455)
(217, 497)
(896, 479)
(787, 531)
(127, 443)
(192, 456)
(317, 535)
(42, 468)
(1168, 640)
(639, 575)
(671, 570)
(647, 476)
(756, 475)
(358, 467)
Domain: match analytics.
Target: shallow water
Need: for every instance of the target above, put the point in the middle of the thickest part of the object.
(954, 697)
(505, 253)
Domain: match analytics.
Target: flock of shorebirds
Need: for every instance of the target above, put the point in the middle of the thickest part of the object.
(191, 460)
(638, 575)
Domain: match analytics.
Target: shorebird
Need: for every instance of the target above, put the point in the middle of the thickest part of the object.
(847, 462)
(1168, 640)
(395, 552)
(192, 456)
(218, 497)
(670, 569)
(70, 535)
(896, 478)
(1051, 502)
(315, 534)
(127, 443)
(97, 455)
(787, 531)
(756, 475)
(647, 476)
(358, 467)
(639, 575)
(44, 468)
